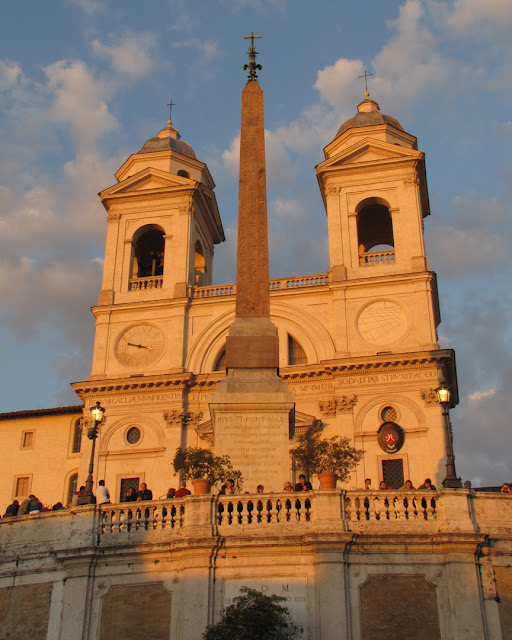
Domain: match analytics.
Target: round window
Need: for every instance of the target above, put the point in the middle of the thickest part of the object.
(133, 435)
(388, 414)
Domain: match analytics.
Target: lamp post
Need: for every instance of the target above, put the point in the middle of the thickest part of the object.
(97, 416)
(451, 481)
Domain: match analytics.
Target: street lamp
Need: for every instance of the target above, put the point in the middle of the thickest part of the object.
(97, 416)
(451, 481)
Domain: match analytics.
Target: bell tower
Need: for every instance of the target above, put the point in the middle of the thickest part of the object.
(163, 223)
(373, 184)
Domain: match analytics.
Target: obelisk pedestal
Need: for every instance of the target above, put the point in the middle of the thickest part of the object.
(252, 411)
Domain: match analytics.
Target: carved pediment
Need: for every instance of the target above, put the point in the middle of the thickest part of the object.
(146, 180)
(368, 150)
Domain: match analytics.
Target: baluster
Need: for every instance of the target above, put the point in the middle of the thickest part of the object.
(298, 508)
(259, 509)
(240, 509)
(250, 508)
(230, 512)
(374, 509)
(182, 515)
(271, 515)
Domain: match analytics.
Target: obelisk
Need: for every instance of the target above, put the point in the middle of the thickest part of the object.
(252, 409)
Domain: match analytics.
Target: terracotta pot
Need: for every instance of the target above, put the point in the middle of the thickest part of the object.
(327, 480)
(201, 486)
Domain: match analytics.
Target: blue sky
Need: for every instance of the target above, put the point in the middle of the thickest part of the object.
(83, 84)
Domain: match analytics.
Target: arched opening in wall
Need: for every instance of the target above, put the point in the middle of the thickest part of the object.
(220, 363)
(72, 484)
(183, 174)
(148, 252)
(375, 237)
(296, 354)
(199, 265)
(77, 437)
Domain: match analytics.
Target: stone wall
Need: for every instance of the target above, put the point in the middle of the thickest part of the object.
(355, 565)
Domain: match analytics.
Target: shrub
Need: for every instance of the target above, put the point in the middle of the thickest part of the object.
(254, 616)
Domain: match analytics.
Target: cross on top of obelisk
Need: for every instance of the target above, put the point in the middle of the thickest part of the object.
(171, 104)
(366, 76)
(252, 53)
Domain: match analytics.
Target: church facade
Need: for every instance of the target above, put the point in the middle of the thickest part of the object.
(357, 345)
(359, 356)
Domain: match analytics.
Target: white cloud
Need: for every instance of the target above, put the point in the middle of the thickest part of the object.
(482, 395)
(475, 18)
(130, 54)
(79, 99)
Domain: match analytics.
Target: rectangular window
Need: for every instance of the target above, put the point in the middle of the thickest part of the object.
(77, 437)
(126, 484)
(393, 473)
(22, 486)
(27, 440)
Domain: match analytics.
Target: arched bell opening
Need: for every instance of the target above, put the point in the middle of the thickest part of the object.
(148, 252)
(376, 242)
(199, 265)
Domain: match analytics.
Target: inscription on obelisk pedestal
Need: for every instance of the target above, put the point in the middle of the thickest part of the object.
(258, 441)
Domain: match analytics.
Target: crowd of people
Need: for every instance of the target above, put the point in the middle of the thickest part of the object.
(32, 505)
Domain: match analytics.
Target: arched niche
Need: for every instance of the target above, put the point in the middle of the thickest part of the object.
(148, 248)
(374, 225)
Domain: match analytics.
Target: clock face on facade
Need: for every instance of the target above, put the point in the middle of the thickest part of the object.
(139, 345)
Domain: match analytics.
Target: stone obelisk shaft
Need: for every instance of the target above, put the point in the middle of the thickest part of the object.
(252, 340)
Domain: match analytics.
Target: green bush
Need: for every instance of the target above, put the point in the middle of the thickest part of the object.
(315, 455)
(196, 463)
(254, 616)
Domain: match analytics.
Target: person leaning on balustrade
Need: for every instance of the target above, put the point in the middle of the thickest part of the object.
(427, 485)
(408, 486)
(288, 487)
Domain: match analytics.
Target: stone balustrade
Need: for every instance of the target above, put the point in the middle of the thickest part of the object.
(279, 284)
(374, 258)
(389, 506)
(141, 284)
(214, 291)
(291, 513)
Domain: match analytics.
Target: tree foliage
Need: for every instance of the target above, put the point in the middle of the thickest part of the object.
(315, 454)
(254, 616)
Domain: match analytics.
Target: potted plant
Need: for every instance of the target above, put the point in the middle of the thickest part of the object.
(205, 469)
(330, 459)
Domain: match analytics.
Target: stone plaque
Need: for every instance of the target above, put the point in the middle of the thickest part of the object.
(503, 577)
(25, 611)
(394, 606)
(136, 611)
(293, 589)
(257, 440)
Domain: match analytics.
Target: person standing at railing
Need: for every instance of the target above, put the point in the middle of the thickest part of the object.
(303, 484)
(408, 486)
(182, 491)
(427, 486)
(102, 493)
(368, 484)
(144, 493)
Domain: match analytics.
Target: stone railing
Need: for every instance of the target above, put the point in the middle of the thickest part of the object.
(279, 284)
(389, 506)
(140, 284)
(301, 282)
(263, 509)
(323, 512)
(142, 516)
(214, 291)
(374, 258)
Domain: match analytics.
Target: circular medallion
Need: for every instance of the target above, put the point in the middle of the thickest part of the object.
(382, 322)
(139, 345)
(391, 437)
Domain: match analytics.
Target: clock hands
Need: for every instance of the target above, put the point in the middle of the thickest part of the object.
(140, 346)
